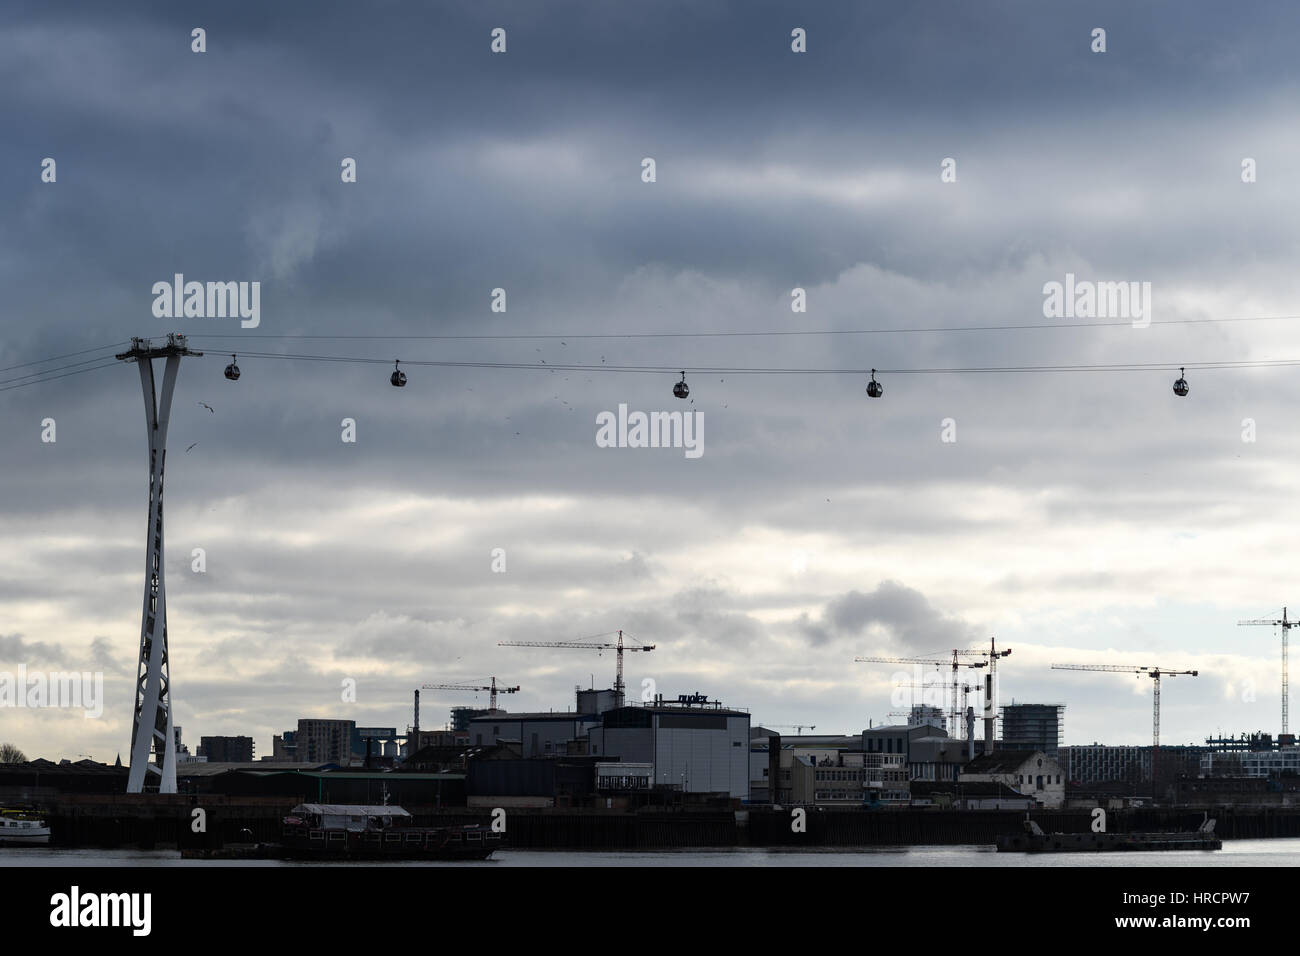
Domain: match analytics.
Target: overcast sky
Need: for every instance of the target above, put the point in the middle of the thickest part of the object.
(1089, 517)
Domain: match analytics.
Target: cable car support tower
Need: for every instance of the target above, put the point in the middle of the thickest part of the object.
(153, 740)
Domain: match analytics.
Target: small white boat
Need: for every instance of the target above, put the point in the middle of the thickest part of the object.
(22, 828)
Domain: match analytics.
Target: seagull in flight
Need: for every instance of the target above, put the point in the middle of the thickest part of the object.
(208, 407)
(187, 450)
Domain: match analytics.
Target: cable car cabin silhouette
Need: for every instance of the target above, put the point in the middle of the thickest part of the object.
(232, 370)
(874, 388)
(1180, 386)
(398, 378)
(681, 389)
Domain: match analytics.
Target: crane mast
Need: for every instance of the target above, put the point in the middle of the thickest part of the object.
(1286, 626)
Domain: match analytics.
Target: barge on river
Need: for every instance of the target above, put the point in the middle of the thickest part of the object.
(1033, 840)
(318, 831)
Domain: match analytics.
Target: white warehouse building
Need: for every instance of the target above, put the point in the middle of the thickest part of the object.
(699, 747)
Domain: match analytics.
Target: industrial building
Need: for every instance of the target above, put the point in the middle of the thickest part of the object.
(461, 716)
(546, 734)
(498, 777)
(694, 745)
(376, 742)
(1251, 763)
(1029, 772)
(827, 770)
(854, 779)
(617, 756)
(930, 754)
(226, 749)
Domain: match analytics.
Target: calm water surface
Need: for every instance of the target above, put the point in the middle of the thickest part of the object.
(1234, 853)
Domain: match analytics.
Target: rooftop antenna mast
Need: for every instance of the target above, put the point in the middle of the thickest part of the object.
(153, 744)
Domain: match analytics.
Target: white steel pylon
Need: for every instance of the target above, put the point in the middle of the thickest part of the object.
(153, 740)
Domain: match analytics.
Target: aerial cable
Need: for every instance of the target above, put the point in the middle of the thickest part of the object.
(782, 370)
(5, 388)
(57, 368)
(54, 358)
(516, 336)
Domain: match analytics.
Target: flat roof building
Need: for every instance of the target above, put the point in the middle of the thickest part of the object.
(226, 749)
(698, 747)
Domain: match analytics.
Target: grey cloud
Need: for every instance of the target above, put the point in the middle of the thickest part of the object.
(906, 617)
(14, 649)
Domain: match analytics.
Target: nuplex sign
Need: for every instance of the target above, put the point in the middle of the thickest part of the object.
(208, 300)
(652, 430)
(1098, 300)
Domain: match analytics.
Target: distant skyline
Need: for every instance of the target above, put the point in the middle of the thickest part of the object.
(1080, 517)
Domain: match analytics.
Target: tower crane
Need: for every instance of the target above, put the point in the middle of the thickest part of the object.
(492, 688)
(1286, 626)
(618, 646)
(966, 690)
(955, 663)
(991, 693)
(1155, 673)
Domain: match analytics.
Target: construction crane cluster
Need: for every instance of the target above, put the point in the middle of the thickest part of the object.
(956, 662)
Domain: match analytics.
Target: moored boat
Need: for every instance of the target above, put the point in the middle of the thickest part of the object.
(23, 828)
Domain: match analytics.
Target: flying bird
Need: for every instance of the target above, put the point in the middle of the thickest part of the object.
(187, 450)
(208, 407)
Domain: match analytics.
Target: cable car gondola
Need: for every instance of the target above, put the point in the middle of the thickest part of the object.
(232, 370)
(398, 378)
(681, 389)
(874, 388)
(1180, 386)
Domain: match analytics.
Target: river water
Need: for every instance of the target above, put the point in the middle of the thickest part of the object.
(1234, 853)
